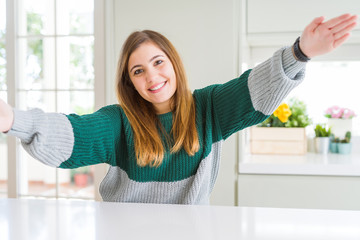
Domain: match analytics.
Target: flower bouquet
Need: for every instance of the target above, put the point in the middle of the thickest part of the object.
(289, 115)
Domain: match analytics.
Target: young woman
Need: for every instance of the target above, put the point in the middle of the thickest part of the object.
(163, 142)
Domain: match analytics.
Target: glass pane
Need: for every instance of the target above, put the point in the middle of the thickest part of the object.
(3, 95)
(80, 183)
(2, 18)
(75, 17)
(2, 66)
(75, 63)
(37, 63)
(77, 183)
(337, 84)
(46, 101)
(3, 166)
(79, 102)
(36, 17)
(35, 178)
(3, 158)
(2, 45)
(81, 179)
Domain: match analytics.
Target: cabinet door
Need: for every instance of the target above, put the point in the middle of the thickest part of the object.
(279, 16)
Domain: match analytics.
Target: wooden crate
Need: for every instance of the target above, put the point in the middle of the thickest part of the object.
(273, 140)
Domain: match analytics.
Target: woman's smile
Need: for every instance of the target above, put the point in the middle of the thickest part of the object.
(157, 87)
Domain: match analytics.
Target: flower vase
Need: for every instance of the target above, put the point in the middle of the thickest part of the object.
(334, 147)
(344, 148)
(340, 126)
(322, 144)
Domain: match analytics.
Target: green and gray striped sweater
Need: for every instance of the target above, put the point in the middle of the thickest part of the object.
(70, 141)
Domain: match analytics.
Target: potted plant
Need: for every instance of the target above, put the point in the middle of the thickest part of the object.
(344, 146)
(340, 120)
(322, 138)
(81, 176)
(334, 143)
(283, 132)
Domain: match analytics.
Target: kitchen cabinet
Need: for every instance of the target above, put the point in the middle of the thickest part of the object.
(328, 181)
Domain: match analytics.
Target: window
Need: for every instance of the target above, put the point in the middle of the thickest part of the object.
(3, 95)
(330, 83)
(54, 63)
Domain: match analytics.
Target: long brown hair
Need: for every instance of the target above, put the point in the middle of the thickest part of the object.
(149, 147)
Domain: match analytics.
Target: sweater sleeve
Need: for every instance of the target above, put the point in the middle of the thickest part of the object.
(65, 141)
(255, 95)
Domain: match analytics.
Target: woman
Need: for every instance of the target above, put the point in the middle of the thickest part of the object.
(162, 142)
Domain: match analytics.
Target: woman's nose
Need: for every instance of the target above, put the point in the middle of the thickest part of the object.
(151, 75)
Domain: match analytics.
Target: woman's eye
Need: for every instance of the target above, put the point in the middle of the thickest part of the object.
(138, 71)
(158, 62)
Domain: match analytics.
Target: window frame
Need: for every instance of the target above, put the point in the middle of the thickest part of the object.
(346, 53)
(13, 88)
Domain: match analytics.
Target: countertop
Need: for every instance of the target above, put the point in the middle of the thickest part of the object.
(309, 164)
(65, 219)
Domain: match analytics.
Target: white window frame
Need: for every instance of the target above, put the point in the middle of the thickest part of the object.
(12, 81)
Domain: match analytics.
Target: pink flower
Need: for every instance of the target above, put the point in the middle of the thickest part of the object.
(332, 109)
(348, 113)
(338, 112)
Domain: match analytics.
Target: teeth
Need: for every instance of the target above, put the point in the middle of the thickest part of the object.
(157, 87)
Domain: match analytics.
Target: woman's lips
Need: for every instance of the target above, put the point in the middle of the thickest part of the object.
(157, 87)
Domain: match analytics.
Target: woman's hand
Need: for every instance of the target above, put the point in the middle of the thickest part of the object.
(321, 37)
(6, 116)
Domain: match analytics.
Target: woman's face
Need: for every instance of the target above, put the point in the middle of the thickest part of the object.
(153, 76)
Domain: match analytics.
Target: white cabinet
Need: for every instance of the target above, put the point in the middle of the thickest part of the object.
(319, 181)
(279, 22)
(279, 16)
(299, 191)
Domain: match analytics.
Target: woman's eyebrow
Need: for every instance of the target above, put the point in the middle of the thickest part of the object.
(151, 59)
(155, 57)
(134, 67)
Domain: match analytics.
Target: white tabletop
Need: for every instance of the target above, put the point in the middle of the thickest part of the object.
(65, 219)
(309, 164)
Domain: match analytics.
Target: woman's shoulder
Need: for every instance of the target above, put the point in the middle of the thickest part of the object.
(113, 109)
(210, 90)
(113, 112)
(204, 93)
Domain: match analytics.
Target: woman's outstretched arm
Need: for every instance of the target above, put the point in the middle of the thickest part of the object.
(254, 96)
(65, 141)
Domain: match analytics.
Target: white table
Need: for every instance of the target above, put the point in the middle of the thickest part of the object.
(64, 219)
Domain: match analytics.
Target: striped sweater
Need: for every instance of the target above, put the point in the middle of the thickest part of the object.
(71, 141)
